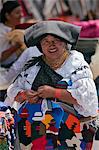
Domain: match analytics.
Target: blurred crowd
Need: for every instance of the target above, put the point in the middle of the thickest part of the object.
(45, 9)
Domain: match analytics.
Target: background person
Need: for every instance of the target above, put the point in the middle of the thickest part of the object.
(11, 40)
(10, 17)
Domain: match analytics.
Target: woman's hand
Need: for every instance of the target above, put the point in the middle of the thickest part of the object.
(46, 91)
(16, 37)
(28, 95)
(32, 96)
(62, 94)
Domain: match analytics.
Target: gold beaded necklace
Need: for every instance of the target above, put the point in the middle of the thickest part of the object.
(56, 65)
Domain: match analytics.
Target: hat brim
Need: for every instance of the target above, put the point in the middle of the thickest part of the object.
(66, 31)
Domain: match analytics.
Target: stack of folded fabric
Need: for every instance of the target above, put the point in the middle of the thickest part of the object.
(7, 130)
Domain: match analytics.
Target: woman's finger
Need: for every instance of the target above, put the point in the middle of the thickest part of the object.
(34, 99)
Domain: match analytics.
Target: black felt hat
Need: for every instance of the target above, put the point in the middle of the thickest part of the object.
(66, 31)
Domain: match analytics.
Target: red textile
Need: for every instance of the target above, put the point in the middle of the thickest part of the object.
(90, 29)
(39, 143)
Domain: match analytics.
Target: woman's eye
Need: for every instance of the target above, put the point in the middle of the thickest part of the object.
(45, 42)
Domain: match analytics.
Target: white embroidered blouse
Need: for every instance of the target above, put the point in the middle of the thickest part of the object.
(76, 69)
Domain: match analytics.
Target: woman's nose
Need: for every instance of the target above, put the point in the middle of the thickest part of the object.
(51, 42)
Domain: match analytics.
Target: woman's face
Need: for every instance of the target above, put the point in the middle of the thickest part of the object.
(52, 47)
(14, 17)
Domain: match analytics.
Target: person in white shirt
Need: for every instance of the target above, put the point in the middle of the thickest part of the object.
(11, 44)
(10, 17)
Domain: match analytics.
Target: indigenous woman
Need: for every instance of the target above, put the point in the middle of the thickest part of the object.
(55, 92)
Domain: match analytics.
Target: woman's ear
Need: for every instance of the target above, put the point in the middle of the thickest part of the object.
(66, 46)
(7, 16)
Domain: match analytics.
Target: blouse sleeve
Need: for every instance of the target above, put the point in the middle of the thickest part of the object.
(84, 91)
(14, 88)
(23, 82)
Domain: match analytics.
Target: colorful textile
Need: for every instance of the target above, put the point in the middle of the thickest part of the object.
(50, 129)
(74, 134)
(39, 122)
(7, 130)
(3, 144)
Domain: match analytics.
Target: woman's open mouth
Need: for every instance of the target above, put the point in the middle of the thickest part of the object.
(52, 50)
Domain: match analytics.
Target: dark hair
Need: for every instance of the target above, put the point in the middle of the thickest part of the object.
(8, 7)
